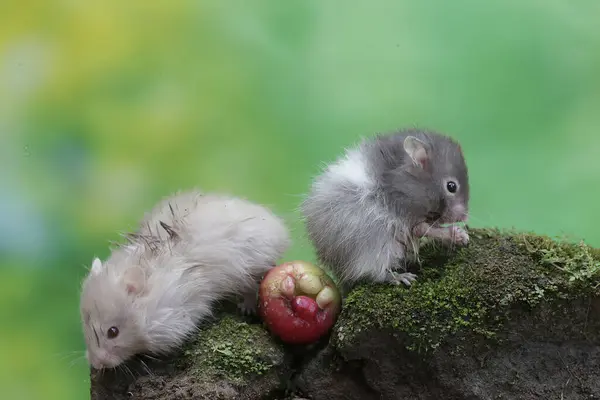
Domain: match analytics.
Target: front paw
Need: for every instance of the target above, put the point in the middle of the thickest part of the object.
(246, 309)
(459, 235)
(248, 305)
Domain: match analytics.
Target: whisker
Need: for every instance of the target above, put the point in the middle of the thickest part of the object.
(126, 370)
(66, 355)
(146, 368)
(77, 360)
(131, 372)
(151, 357)
(477, 220)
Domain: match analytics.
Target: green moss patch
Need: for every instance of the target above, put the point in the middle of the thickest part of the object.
(233, 350)
(472, 289)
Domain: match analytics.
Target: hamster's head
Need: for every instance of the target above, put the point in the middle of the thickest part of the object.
(439, 164)
(112, 321)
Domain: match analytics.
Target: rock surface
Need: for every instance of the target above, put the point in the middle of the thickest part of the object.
(511, 316)
(230, 359)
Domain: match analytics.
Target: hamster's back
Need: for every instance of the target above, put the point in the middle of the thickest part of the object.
(235, 240)
(223, 233)
(345, 219)
(169, 210)
(236, 223)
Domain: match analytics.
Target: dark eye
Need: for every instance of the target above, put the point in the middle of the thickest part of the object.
(451, 186)
(112, 332)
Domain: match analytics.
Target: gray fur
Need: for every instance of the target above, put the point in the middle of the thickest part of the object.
(191, 250)
(365, 224)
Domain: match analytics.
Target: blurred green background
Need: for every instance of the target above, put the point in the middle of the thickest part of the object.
(105, 107)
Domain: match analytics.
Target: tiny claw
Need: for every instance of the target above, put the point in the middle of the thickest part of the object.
(405, 278)
(246, 309)
(248, 305)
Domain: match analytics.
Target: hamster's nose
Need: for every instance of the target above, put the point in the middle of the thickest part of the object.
(459, 213)
(95, 363)
(97, 359)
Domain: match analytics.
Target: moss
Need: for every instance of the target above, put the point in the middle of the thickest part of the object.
(233, 350)
(472, 290)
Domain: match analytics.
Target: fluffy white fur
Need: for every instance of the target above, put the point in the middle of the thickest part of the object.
(351, 169)
(340, 208)
(158, 287)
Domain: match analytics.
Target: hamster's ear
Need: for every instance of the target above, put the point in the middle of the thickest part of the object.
(170, 230)
(135, 280)
(416, 150)
(96, 266)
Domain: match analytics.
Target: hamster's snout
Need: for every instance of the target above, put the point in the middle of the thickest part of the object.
(458, 213)
(101, 359)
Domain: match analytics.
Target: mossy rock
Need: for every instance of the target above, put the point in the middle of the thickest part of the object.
(471, 326)
(233, 350)
(230, 358)
(510, 316)
(473, 289)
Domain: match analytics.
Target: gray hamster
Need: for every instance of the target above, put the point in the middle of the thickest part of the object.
(192, 250)
(367, 210)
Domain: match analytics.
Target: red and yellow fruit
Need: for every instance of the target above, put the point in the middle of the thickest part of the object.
(298, 302)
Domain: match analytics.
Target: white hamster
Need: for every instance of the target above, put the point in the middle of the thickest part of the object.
(191, 250)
